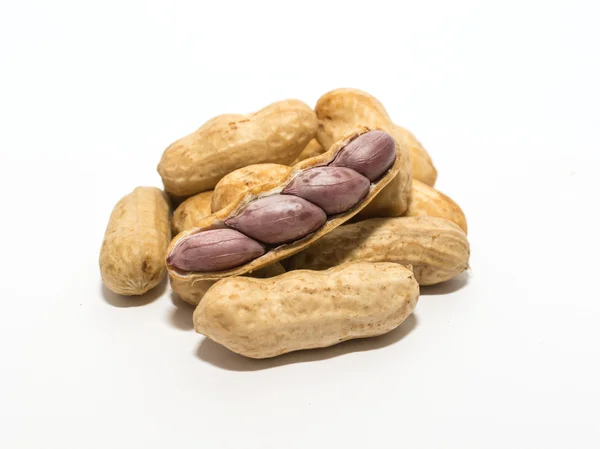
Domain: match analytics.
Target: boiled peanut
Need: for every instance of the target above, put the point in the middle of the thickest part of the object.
(278, 219)
(278, 133)
(304, 309)
(436, 248)
(333, 189)
(242, 180)
(370, 154)
(193, 292)
(427, 201)
(214, 250)
(313, 149)
(136, 238)
(191, 211)
(343, 109)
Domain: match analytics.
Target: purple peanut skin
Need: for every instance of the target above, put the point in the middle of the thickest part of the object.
(370, 154)
(333, 189)
(278, 219)
(214, 250)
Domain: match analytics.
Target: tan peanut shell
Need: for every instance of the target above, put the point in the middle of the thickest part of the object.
(305, 309)
(427, 201)
(277, 133)
(313, 149)
(191, 211)
(343, 109)
(242, 180)
(285, 250)
(192, 293)
(436, 248)
(132, 257)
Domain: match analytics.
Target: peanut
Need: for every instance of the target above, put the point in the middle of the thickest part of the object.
(333, 189)
(343, 109)
(370, 154)
(427, 201)
(278, 133)
(191, 211)
(192, 292)
(242, 180)
(136, 238)
(313, 149)
(278, 219)
(304, 309)
(436, 248)
(214, 250)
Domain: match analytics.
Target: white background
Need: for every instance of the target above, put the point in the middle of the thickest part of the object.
(504, 95)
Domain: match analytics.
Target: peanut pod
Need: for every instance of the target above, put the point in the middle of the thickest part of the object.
(437, 249)
(278, 133)
(305, 309)
(191, 211)
(427, 201)
(269, 217)
(342, 109)
(244, 179)
(137, 235)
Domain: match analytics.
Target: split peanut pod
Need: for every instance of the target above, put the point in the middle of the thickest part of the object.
(270, 222)
(437, 249)
(427, 201)
(191, 211)
(304, 309)
(138, 232)
(343, 109)
(277, 133)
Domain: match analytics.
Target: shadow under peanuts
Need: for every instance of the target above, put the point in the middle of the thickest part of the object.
(223, 358)
(444, 288)
(116, 300)
(181, 315)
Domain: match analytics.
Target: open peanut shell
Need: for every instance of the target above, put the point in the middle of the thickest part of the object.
(277, 253)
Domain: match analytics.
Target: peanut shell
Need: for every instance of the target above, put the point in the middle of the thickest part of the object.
(191, 211)
(437, 249)
(277, 133)
(305, 309)
(427, 201)
(138, 233)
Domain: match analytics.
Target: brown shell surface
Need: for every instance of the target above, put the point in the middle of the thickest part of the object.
(285, 250)
(427, 201)
(132, 257)
(277, 133)
(343, 109)
(436, 248)
(191, 211)
(242, 180)
(193, 292)
(313, 149)
(305, 309)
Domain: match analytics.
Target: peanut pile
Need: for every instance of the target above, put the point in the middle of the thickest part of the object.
(295, 228)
